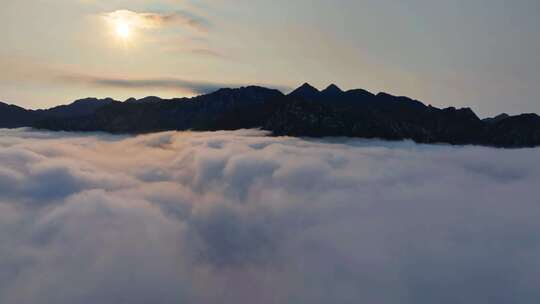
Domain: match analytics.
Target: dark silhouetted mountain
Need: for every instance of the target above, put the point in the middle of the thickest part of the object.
(516, 131)
(332, 91)
(306, 91)
(381, 116)
(225, 109)
(81, 107)
(148, 99)
(497, 118)
(305, 112)
(15, 117)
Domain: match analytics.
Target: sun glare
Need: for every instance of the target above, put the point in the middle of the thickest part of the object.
(123, 30)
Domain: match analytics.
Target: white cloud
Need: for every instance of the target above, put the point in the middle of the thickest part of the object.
(239, 217)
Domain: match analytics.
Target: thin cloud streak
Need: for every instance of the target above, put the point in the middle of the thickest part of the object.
(203, 52)
(197, 87)
(150, 20)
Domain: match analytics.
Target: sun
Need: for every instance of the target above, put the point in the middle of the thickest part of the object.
(123, 30)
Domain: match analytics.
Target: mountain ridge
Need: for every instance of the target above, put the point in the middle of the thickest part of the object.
(305, 111)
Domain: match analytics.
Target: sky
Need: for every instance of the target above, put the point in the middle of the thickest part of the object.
(477, 53)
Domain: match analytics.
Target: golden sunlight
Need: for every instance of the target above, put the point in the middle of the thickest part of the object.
(123, 30)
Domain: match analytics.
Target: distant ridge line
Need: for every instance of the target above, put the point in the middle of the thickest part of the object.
(306, 111)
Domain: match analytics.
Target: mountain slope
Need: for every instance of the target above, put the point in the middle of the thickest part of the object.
(225, 109)
(15, 117)
(304, 112)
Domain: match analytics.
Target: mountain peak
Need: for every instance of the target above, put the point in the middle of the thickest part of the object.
(306, 86)
(305, 91)
(332, 89)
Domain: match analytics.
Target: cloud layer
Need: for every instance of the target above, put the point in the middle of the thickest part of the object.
(176, 84)
(193, 86)
(238, 217)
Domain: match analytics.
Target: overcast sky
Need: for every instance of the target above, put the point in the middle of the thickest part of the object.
(478, 53)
